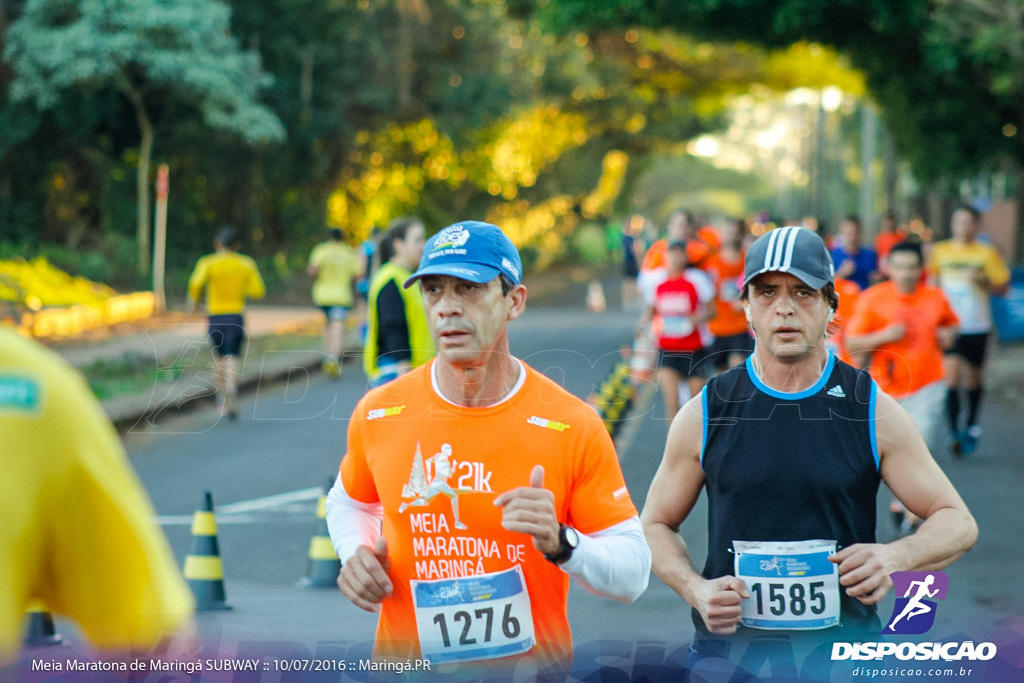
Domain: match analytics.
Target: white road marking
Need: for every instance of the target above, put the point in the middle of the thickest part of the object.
(235, 513)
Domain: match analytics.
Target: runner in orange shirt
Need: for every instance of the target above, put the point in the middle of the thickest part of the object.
(906, 326)
(889, 235)
(848, 291)
(474, 487)
(733, 341)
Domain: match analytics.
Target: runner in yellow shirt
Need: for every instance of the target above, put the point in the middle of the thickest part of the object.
(229, 278)
(968, 271)
(335, 265)
(78, 532)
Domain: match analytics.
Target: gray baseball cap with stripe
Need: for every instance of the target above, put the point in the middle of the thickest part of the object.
(794, 250)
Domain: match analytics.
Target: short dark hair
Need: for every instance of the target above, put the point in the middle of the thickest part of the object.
(335, 234)
(227, 236)
(910, 248)
(397, 230)
(682, 212)
(506, 284)
(975, 214)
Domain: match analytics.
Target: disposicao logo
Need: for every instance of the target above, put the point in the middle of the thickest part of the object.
(914, 613)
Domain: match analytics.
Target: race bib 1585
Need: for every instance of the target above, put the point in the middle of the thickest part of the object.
(792, 585)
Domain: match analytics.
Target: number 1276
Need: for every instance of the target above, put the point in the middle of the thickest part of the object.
(509, 624)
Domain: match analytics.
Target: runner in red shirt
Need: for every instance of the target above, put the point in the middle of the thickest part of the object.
(676, 316)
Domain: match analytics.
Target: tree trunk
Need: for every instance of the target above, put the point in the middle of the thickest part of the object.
(142, 191)
(1017, 175)
(404, 58)
(408, 11)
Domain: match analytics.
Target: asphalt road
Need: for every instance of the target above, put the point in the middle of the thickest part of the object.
(265, 472)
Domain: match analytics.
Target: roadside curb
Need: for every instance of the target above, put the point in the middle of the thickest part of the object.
(194, 391)
(194, 388)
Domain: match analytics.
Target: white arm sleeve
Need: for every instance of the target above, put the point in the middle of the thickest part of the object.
(612, 563)
(350, 522)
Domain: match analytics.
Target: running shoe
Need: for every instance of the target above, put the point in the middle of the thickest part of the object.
(229, 407)
(969, 441)
(956, 445)
(332, 369)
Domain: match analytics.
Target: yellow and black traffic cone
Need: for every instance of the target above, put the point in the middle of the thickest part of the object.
(203, 569)
(40, 631)
(324, 565)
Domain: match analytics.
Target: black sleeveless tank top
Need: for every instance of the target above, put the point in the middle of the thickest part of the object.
(790, 467)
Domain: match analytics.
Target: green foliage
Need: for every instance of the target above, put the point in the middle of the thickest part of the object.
(943, 78)
(671, 182)
(590, 244)
(179, 49)
(111, 261)
(455, 109)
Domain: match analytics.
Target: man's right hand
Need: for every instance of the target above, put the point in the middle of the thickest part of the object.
(364, 576)
(718, 602)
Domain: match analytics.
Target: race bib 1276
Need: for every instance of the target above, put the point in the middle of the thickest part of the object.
(474, 617)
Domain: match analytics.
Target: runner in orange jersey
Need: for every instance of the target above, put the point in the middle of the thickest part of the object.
(905, 326)
(474, 487)
(848, 291)
(733, 342)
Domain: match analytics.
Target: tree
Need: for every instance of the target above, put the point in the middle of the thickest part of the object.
(942, 103)
(157, 54)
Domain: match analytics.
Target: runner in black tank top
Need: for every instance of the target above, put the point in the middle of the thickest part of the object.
(816, 447)
(791, 448)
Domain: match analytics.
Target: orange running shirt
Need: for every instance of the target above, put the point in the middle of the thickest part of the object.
(849, 292)
(697, 252)
(729, 320)
(417, 454)
(885, 241)
(903, 367)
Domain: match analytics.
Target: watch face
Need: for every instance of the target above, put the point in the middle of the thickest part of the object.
(572, 537)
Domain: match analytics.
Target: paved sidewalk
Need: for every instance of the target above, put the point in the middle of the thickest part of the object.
(176, 345)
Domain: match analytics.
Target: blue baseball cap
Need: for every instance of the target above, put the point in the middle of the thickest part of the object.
(470, 250)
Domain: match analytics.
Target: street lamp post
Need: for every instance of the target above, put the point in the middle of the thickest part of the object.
(160, 236)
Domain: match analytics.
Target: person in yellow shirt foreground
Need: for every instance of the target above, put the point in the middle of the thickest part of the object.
(78, 534)
(229, 279)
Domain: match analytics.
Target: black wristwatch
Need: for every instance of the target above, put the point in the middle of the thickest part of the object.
(569, 540)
